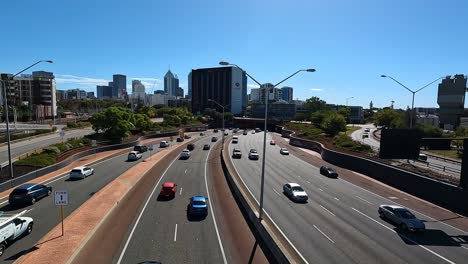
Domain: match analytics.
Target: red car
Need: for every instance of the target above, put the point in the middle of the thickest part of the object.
(272, 142)
(168, 189)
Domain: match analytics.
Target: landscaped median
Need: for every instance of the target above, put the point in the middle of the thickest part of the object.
(84, 221)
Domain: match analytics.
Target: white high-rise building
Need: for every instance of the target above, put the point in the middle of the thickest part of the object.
(138, 90)
(254, 94)
(171, 83)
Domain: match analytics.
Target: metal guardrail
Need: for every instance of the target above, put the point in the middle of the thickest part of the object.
(440, 167)
(442, 158)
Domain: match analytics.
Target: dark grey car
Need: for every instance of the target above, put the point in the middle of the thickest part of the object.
(29, 193)
(402, 217)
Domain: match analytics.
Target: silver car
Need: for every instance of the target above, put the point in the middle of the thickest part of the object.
(402, 217)
(295, 192)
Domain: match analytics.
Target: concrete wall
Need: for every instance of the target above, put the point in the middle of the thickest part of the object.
(448, 196)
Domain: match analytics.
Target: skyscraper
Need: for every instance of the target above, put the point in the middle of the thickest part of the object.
(171, 83)
(451, 100)
(287, 93)
(138, 89)
(119, 86)
(225, 85)
(189, 86)
(179, 92)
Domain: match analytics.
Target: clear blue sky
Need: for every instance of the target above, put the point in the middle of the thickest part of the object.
(350, 43)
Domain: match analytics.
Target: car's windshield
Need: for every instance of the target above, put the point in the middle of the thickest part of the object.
(76, 171)
(297, 189)
(198, 203)
(406, 214)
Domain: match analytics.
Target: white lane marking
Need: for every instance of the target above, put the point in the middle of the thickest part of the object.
(458, 229)
(308, 182)
(277, 192)
(175, 233)
(360, 198)
(320, 189)
(58, 177)
(327, 210)
(185, 171)
(464, 247)
(211, 209)
(142, 211)
(405, 237)
(180, 193)
(324, 234)
(276, 226)
(336, 198)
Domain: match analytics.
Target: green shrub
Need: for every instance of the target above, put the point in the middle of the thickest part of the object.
(344, 142)
(38, 160)
(52, 149)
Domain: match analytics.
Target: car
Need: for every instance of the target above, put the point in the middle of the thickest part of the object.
(169, 189)
(164, 144)
(134, 155)
(198, 206)
(202, 134)
(226, 133)
(81, 172)
(214, 139)
(206, 147)
(237, 154)
(253, 151)
(235, 140)
(295, 192)
(215, 130)
(191, 146)
(245, 132)
(253, 131)
(272, 142)
(422, 157)
(365, 135)
(253, 156)
(401, 217)
(140, 148)
(367, 130)
(180, 139)
(258, 129)
(13, 227)
(29, 193)
(329, 172)
(284, 151)
(185, 154)
(187, 136)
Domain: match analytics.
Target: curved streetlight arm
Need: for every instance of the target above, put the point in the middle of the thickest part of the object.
(428, 84)
(49, 61)
(246, 73)
(399, 83)
(288, 78)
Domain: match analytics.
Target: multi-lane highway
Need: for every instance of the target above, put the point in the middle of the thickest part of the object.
(46, 215)
(32, 144)
(340, 223)
(163, 231)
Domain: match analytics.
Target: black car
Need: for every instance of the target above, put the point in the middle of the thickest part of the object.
(180, 139)
(29, 193)
(206, 147)
(215, 130)
(214, 139)
(237, 154)
(187, 137)
(140, 148)
(190, 146)
(329, 172)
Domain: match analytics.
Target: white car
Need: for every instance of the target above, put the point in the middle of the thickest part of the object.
(134, 155)
(254, 156)
(295, 192)
(81, 172)
(164, 144)
(185, 154)
(367, 130)
(284, 151)
(401, 217)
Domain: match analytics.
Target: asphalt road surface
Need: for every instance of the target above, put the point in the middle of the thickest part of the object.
(340, 223)
(32, 144)
(46, 215)
(163, 232)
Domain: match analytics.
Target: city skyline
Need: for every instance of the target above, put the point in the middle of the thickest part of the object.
(349, 44)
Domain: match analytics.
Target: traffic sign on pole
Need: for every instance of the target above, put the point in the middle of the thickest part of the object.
(61, 197)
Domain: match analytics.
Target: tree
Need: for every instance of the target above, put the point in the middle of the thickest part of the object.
(333, 123)
(346, 113)
(389, 118)
(425, 130)
(115, 122)
(142, 122)
(299, 116)
(314, 104)
(318, 116)
(172, 120)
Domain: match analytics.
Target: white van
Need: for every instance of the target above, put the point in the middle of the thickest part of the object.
(12, 227)
(235, 139)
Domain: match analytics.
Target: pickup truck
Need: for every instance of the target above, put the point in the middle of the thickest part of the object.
(12, 227)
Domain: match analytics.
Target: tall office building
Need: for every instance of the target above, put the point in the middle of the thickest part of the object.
(104, 91)
(138, 89)
(287, 93)
(255, 94)
(119, 86)
(189, 86)
(274, 94)
(225, 85)
(171, 83)
(451, 100)
(179, 92)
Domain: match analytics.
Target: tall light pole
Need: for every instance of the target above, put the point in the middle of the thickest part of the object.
(262, 184)
(348, 99)
(411, 91)
(211, 100)
(7, 119)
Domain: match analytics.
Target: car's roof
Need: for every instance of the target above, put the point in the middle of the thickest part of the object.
(199, 198)
(79, 168)
(27, 186)
(165, 141)
(168, 184)
(394, 206)
(293, 184)
(185, 150)
(133, 152)
(284, 149)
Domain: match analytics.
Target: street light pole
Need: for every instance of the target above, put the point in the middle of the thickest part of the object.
(411, 91)
(7, 119)
(211, 100)
(348, 99)
(262, 183)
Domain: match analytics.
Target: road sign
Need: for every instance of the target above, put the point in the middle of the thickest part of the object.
(61, 197)
(62, 133)
(93, 143)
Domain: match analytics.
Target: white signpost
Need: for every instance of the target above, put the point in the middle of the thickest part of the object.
(62, 134)
(61, 198)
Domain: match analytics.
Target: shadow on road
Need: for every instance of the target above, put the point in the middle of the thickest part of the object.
(252, 253)
(31, 249)
(432, 237)
(9, 207)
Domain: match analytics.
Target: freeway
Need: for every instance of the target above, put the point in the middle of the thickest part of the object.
(340, 223)
(32, 144)
(46, 215)
(164, 232)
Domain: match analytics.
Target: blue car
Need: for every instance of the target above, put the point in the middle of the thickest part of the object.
(29, 193)
(198, 206)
